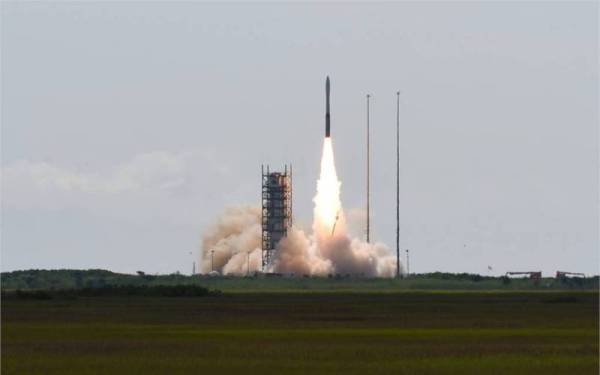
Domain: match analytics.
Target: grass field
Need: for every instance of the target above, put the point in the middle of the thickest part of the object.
(273, 333)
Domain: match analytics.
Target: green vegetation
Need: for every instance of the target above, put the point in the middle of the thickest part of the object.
(75, 279)
(111, 291)
(98, 322)
(416, 332)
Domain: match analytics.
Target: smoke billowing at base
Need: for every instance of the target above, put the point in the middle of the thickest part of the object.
(233, 244)
(237, 234)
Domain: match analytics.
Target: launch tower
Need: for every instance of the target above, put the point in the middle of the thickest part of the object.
(276, 210)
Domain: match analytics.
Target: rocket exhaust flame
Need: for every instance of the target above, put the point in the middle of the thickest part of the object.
(328, 206)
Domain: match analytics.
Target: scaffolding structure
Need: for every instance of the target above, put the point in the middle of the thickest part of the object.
(276, 210)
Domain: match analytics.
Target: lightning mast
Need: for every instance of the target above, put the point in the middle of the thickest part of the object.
(368, 172)
(398, 185)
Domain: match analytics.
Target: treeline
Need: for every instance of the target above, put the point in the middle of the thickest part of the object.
(111, 291)
(66, 279)
(78, 279)
(564, 282)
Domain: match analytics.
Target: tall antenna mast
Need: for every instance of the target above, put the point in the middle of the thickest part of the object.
(398, 185)
(368, 172)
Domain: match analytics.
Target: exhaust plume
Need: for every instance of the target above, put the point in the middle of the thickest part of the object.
(333, 242)
(328, 250)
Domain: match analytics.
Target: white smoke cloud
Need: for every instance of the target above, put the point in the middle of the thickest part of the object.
(297, 254)
(238, 231)
(226, 244)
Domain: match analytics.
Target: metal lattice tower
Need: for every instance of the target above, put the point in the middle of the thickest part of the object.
(276, 210)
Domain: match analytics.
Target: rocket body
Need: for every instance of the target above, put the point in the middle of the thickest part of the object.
(327, 117)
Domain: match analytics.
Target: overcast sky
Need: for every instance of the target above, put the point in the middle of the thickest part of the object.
(128, 127)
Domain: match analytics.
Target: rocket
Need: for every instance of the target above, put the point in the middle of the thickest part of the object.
(327, 119)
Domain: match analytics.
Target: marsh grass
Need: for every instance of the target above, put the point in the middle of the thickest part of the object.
(297, 333)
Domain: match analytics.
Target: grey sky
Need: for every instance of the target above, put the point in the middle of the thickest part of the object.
(127, 127)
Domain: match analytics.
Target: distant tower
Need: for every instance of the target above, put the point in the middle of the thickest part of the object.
(276, 211)
(398, 188)
(368, 170)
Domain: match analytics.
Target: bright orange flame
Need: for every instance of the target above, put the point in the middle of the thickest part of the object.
(328, 206)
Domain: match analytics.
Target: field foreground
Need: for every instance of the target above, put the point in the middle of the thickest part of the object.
(298, 333)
